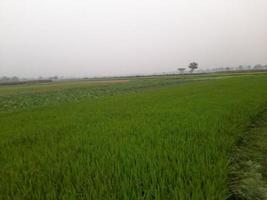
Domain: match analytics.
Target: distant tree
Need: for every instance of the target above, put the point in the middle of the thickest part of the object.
(192, 66)
(14, 79)
(4, 78)
(258, 67)
(53, 78)
(181, 70)
(240, 67)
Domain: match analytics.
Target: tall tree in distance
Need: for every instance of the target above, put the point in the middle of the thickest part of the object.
(192, 66)
(181, 70)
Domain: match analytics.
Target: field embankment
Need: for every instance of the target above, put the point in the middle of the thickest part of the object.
(248, 177)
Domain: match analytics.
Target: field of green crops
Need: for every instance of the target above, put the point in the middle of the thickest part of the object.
(145, 138)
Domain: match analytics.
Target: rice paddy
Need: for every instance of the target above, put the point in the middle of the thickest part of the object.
(156, 138)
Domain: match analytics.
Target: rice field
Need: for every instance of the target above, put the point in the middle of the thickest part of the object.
(145, 138)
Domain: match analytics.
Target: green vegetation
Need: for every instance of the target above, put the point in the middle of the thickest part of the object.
(35, 95)
(249, 163)
(19, 97)
(153, 138)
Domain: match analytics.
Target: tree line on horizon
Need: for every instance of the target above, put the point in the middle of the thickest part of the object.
(194, 66)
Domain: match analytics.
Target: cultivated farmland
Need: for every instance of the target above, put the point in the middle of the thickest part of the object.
(164, 137)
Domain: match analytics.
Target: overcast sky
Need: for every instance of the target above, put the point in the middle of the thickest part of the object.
(115, 37)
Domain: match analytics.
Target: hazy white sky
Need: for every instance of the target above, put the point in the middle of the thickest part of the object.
(114, 37)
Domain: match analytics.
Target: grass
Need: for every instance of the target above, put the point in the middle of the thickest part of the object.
(167, 141)
(249, 163)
